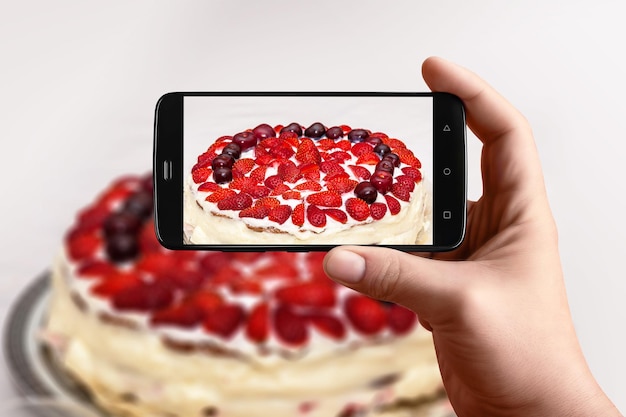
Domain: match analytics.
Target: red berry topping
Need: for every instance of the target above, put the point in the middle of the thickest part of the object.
(330, 167)
(290, 327)
(400, 319)
(95, 268)
(256, 212)
(369, 158)
(366, 315)
(273, 181)
(244, 165)
(316, 216)
(382, 181)
(292, 127)
(222, 161)
(222, 175)
(257, 191)
(221, 194)
(394, 205)
(325, 199)
(328, 325)
(366, 192)
(288, 172)
(245, 140)
(310, 171)
(337, 214)
(307, 152)
(280, 214)
(341, 185)
(357, 209)
(378, 210)
(309, 185)
(236, 202)
(224, 320)
(143, 297)
(270, 202)
(242, 183)
(358, 135)
(406, 181)
(258, 174)
(334, 133)
(263, 131)
(297, 217)
(116, 282)
(413, 173)
(338, 156)
(209, 186)
(360, 172)
(394, 143)
(280, 189)
(200, 175)
(257, 328)
(361, 148)
(401, 191)
(185, 316)
(308, 294)
(292, 195)
(316, 130)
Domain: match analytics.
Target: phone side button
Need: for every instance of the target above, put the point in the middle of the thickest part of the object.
(167, 170)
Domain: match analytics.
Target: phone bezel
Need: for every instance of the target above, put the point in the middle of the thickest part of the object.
(449, 151)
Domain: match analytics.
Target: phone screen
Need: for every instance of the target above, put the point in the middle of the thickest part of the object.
(301, 170)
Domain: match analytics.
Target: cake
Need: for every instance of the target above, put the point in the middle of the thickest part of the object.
(290, 185)
(151, 332)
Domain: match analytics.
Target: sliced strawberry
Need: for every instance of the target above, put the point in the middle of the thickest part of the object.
(282, 150)
(205, 301)
(413, 173)
(307, 152)
(280, 214)
(310, 171)
(339, 156)
(184, 316)
(328, 325)
(271, 142)
(281, 268)
(270, 202)
(316, 216)
(242, 183)
(273, 181)
(206, 158)
(297, 217)
(257, 328)
(345, 128)
(83, 245)
(309, 185)
(407, 157)
(366, 315)
(92, 217)
(221, 194)
(280, 189)
(406, 181)
(209, 186)
(344, 145)
(261, 156)
(395, 144)
(361, 148)
(95, 268)
(394, 205)
(258, 174)
(236, 202)
(292, 195)
(308, 294)
(337, 214)
(341, 185)
(143, 297)
(400, 319)
(330, 167)
(205, 163)
(224, 320)
(289, 137)
(157, 264)
(244, 165)
(378, 210)
(256, 212)
(257, 191)
(210, 262)
(201, 175)
(336, 176)
(290, 327)
(357, 209)
(116, 282)
(325, 199)
(245, 286)
(360, 172)
(380, 135)
(288, 172)
(401, 191)
(187, 277)
(278, 128)
(369, 158)
(326, 144)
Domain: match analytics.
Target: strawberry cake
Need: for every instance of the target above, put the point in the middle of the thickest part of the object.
(151, 332)
(315, 185)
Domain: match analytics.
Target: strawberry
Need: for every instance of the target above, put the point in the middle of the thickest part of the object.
(213, 261)
(297, 217)
(309, 185)
(310, 171)
(361, 148)
(272, 181)
(344, 145)
(378, 210)
(157, 264)
(280, 214)
(224, 320)
(216, 147)
(395, 144)
(357, 209)
(365, 314)
(316, 216)
(290, 137)
(326, 144)
(330, 167)
(200, 175)
(307, 152)
(83, 245)
(258, 174)
(394, 205)
(204, 301)
(94, 269)
(185, 316)
(337, 214)
(242, 183)
(308, 294)
(413, 173)
(147, 239)
(116, 282)
(270, 142)
(257, 212)
(221, 194)
(284, 267)
(278, 128)
(328, 325)
(236, 202)
(345, 128)
(206, 158)
(401, 191)
(209, 186)
(325, 199)
(280, 189)
(143, 297)
(245, 286)
(282, 150)
(205, 163)
(406, 181)
(339, 156)
(257, 191)
(360, 172)
(290, 327)
(400, 319)
(336, 175)
(341, 185)
(369, 158)
(261, 156)
(92, 217)
(380, 135)
(187, 277)
(407, 157)
(292, 195)
(244, 165)
(288, 171)
(257, 328)
(269, 202)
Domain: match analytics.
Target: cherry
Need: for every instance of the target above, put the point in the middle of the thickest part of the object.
(121, 223)
(223, 161)
(358, 135)
(263, 131)
(222, 175)
(245, 140)
(374, 140)
(393, 158)
(382, 181)
(385, 165)
(366, 191)
(382, 149)
(334, 133)
(316, 130)
(140, 204)
(292, 127)
(233, 150)
(122, 247)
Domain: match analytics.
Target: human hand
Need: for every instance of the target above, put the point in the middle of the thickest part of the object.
(496, 306)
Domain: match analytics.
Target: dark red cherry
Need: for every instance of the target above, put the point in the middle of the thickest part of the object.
(263, 131)
(233, 150)
(222, 175)
(245, 140)
(334, 133)
(393, 158)
(385, 165)
(316, 130)
(139, 204)
(292, 127)
(222, 161)
(374, 140)
(382, 180)
(382, 149)
(147, 184)
(358, 135)
(366, 191)
(121, 223)
(122, 247)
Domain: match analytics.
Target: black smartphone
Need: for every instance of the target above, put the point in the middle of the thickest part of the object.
(302, 171)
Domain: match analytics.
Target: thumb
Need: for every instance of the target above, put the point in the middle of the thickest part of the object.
(420, 284)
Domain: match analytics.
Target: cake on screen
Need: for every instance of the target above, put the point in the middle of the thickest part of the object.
(151, 332)
(314, 185)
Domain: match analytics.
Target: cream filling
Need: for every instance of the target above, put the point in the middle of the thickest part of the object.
(118, 360)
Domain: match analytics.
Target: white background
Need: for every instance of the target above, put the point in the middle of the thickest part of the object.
(79, 80)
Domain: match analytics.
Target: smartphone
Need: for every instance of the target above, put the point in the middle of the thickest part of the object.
(307, 171)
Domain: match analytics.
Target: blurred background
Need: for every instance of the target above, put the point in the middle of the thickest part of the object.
(79, 81)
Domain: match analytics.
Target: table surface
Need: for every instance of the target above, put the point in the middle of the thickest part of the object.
(79, 82)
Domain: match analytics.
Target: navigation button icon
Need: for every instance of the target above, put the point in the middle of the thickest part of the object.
(447, 214)
(446, 128)
(447, 171)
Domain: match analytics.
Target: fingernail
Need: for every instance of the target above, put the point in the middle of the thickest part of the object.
(345, 266)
